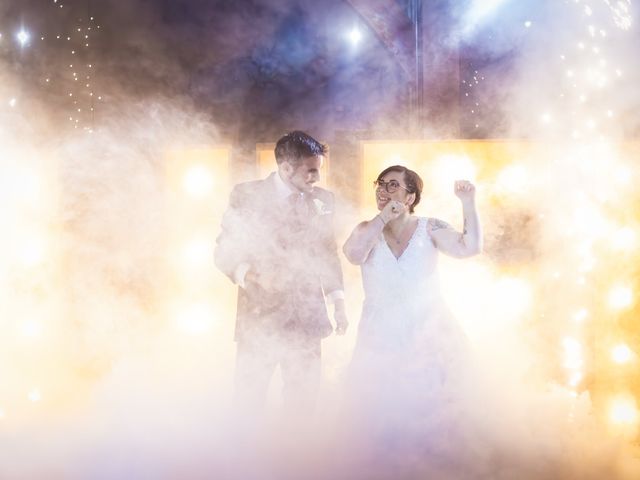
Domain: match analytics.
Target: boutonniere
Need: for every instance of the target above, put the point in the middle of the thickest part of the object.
(321, 207)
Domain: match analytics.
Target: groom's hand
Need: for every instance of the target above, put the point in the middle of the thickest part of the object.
(340, 317)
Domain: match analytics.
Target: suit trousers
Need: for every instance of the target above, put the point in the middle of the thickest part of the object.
(298, 356)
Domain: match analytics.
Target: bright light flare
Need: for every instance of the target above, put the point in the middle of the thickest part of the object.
(624, 239)
(354, 36)
(588, 220)
(479, 11)
(572, 353)
(575, 379)
(198, 181)
(34, 395)
(23, 185)
(622, 175)
(621, 354)
(198, 253)
(620, 297)
(623, 410)
(33, 252)
(31, 329)
(581, 315)
(515, 295)
(449, 168)
(513, 179)
(196, 319)
(23, 37)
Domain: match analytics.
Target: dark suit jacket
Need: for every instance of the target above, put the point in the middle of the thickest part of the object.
(298, 253)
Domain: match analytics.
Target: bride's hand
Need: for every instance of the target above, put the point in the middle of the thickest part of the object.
(464, 190)
(392, 210)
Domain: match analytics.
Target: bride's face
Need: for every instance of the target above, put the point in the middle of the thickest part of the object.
(392, 187)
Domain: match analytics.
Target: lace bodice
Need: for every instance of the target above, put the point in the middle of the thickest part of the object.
(401, 294)
(407, 277)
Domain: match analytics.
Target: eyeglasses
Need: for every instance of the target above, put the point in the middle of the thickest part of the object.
(390, 186)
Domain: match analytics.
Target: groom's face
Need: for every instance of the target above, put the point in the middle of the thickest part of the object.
(302, 176)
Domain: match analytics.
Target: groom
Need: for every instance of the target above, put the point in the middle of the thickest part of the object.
(277, 244)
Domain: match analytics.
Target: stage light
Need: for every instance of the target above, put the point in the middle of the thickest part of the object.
(27, 186)
(622, 175)
(198, 181)
(354, 36)
(12, 102)
(620, 297)
(513, 179)
(624, 239)
(198, 253)
(479, 11)
(580, 315)
(588, 264)
(449, 168)
(623, 410)
(31, 329)
(2, 414)
(23, 37)
(196, 319)
(590, 222)
(32, 253)
(575, 379)
(621, 353)
(34, 395)
(514, 294)
(572, 353)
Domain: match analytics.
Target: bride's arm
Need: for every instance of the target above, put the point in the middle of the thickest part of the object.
(365, 235)
(451, 242)
(362, 240)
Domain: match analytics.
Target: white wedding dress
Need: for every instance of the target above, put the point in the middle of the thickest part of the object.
(423, 405)
(407, 338)
(411, 359)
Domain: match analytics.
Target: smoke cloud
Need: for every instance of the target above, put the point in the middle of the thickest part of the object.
(100, 380)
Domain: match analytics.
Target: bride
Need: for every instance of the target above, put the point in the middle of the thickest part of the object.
(422, 405)
(398, 252)
(410, 352)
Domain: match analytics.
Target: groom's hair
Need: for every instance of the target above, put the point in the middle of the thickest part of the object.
(411, 179)
(296, 145)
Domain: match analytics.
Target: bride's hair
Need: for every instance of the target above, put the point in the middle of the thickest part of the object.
(411, 179)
